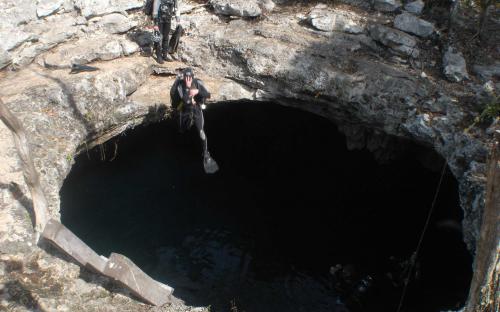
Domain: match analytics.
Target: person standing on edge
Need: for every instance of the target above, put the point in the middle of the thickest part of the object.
(188, 96)
(163, 10)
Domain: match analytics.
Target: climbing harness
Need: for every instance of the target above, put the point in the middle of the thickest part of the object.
(415, 253)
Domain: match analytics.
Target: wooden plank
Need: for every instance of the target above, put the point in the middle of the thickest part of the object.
(123, 270)
(70, 244)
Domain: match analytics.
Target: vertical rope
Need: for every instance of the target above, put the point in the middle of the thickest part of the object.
(419, 245)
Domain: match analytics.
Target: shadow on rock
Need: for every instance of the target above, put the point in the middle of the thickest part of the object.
(143, 39)
(72, 103)
(19, 195)
(156, 113)
(20, 296)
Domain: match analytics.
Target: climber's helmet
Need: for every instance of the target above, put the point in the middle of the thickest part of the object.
(187, 72)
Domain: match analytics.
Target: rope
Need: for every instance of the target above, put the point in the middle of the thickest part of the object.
(417, 250)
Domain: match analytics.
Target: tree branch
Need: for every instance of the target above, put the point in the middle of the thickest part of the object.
(31, 178)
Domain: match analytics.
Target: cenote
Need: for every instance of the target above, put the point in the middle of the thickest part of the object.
(288, 204)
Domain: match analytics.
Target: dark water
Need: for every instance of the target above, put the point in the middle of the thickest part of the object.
(288, 203)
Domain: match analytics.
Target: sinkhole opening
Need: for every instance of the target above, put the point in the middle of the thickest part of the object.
(293, 220)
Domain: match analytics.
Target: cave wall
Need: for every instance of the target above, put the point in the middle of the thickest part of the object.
(350, 78)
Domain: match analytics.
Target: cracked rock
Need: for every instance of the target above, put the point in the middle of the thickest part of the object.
(411, 24)
(454, 65)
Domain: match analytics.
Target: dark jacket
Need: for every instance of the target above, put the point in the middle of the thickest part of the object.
(179, 94)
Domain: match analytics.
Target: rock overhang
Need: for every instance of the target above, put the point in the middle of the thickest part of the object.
(332, 74)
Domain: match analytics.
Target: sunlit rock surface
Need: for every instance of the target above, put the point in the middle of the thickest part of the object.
(351, 77)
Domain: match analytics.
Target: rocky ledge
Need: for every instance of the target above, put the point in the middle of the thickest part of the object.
(369, 72)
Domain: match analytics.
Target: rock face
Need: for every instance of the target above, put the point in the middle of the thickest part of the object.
(15, 13)
(14, 39)
(48, 7)
(351, 79)
(411, 24)
(415, 7)
(396, 40)
(5, 58)
(454, 65)
(487, 72)
(243, 8)
(90, 8)
(326, 20)
(89, 50)
(116, 23)
(386, 5)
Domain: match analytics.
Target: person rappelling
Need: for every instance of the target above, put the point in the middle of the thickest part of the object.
(188, 95)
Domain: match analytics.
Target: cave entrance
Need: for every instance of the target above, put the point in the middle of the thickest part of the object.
(289, 203)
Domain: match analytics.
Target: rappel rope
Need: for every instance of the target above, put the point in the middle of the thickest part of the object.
(415, 254)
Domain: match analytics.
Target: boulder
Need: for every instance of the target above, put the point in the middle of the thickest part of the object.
(249, 8)
(116, 23)
(411, 24)
(267, 5)
(125, 5)
(454, 65)
(129, 47)
(48, 7)
(5, 58)
(91, 8)
(22, 12)
(415, 7)
(487, 72)
(398, 41)
(13, 38)
(323, 19)
(27, 54)
(386, 5)
(85, 51)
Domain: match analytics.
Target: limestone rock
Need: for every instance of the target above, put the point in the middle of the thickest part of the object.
(13, 38)
(233, 90)
(386, 5)
(5, 58)
(129, 47)
(125, 5)
(243, 8)
(411, 24)
(21, 12)
(57, 35)
(91, 8)
(85, 51)
(323, 19)
(415, 7)
(267, 5)
(487, 72)
(116, 23)
(48, 7)
(398, 41)
(27, 54)
(69, 5)
(454, 65)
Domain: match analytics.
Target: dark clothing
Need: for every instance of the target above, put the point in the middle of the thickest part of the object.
(163, 11)
(162, 47)
(190, 113)
(193, 114)
(179, 93)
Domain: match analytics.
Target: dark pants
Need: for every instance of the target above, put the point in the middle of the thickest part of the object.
(192, 114)
(164, 25)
